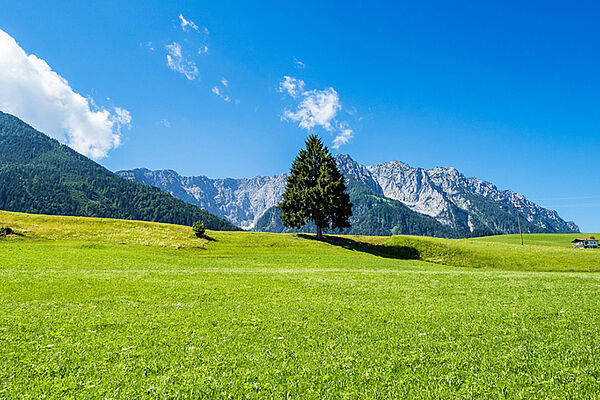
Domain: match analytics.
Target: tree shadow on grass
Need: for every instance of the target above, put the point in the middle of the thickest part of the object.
(210, 239)
(380, 250)
(7, 231)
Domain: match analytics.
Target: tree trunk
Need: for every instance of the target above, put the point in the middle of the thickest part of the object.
(319, 232)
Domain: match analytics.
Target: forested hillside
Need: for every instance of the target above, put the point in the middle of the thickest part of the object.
(39, 175)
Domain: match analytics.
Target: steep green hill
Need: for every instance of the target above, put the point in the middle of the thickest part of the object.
(39, 175)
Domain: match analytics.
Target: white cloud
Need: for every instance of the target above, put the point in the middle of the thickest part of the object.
(291, 85)
(344, 135)
(166, 123)
(178, 63)
(187, 24)
(220, 93)
(317, 108)
(32, 91)
(122, 117)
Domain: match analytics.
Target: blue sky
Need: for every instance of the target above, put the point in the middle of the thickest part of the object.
(507, 92)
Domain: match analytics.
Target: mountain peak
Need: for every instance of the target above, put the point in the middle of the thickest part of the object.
(344, 158)
(391, 165)
(352, 169)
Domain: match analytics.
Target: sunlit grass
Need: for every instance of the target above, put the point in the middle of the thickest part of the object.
(120, 309)
(541, 252)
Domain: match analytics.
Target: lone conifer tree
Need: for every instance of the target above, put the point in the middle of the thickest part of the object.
(315, 191)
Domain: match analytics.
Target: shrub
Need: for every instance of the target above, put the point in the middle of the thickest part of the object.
(6, 230)
(199, 229)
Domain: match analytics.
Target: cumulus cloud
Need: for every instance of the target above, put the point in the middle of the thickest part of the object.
(32, 91)
(186, 25)
(216, 90)
(178, 63)
(316, 108)
(203, 49)
(224, 82)
(291, 86)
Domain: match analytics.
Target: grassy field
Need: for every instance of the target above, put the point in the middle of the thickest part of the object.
(117, 309)
(541, 252)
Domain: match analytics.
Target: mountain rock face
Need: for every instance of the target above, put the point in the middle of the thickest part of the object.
(240, 200)
(415, 188)
(467, 205)
(388, 198)
(476, 196)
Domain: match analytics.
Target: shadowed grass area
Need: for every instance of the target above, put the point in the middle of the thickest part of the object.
(7, 231)
(374, 245)
(101, 309)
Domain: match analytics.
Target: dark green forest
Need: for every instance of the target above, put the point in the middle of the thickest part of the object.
(40, 175)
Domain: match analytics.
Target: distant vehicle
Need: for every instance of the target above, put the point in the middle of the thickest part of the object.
(585, 243)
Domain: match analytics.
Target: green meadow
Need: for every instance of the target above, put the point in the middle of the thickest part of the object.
(111, 309)
(540, 252)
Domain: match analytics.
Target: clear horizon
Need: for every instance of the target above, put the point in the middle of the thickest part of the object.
(504, 93)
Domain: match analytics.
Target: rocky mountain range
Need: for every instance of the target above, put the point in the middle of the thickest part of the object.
(388, 198)
(241, 201)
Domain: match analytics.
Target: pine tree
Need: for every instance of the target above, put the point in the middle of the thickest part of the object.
(315, 191)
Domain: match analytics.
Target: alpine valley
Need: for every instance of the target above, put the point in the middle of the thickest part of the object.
(388, 199)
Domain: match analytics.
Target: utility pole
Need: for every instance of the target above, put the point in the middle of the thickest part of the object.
(517, 206)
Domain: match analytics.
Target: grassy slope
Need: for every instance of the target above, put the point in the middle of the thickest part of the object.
(542, 252)
(121, 309)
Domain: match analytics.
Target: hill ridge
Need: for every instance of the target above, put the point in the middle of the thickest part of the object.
(40, 175)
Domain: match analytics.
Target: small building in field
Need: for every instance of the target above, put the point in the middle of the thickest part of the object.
(585, 243)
